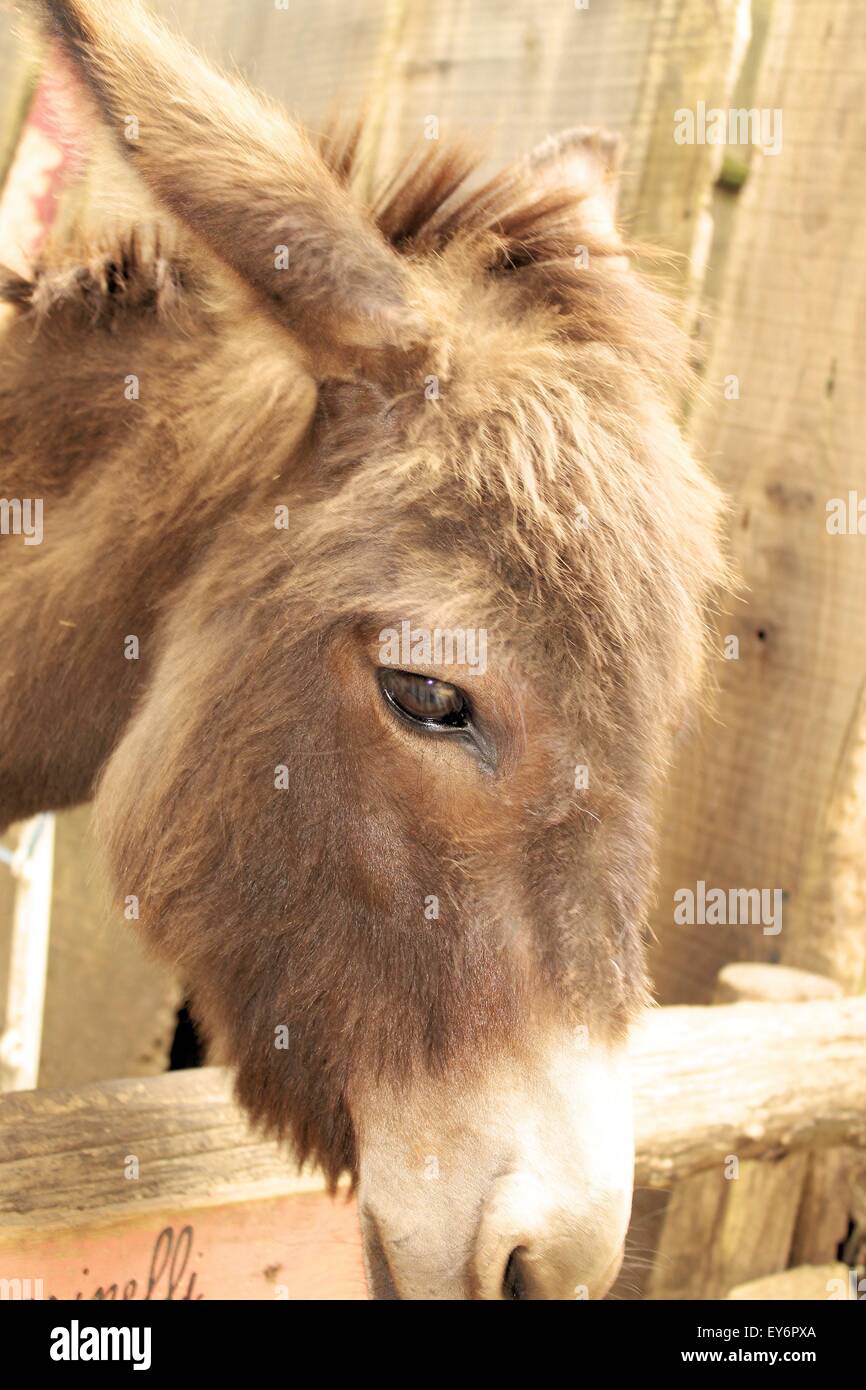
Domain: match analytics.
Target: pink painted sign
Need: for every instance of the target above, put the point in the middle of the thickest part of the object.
(303, 1246)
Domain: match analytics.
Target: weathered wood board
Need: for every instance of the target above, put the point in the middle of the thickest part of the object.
(739, 1221)
(17, 73)
(719, 1232)
(805, 1284)
(304, 1246)
(755, 1080)
(213, 1212)
(772, 794)
(110, 1010)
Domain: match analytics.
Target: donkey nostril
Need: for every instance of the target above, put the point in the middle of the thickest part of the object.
(513, 1282)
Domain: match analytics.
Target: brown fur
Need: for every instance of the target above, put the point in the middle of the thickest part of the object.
(557, 387)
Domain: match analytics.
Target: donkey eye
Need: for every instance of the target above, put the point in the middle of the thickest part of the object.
(424, 700)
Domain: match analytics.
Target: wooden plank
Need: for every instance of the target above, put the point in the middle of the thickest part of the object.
(17, 75)
(806, 1283)
(751, 1077)
(755, 1080)
(736, 1222)
(736, 163)
(213, 1212)
(110, 1009)
(826, 1206)
(63, 1153)
(772, 984)
(828, 926)
(692, 58)
(302, 1246)
(762, 786)
(720, 1231)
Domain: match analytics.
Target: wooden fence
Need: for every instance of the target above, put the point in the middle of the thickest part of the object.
(159, 1185)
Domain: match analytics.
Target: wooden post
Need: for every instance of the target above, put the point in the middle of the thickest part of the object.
(737, 1221)
(691, 58)
(771, 784)
(17, 75)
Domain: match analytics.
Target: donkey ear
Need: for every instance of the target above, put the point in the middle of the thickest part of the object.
(241, 176)
(588, 160)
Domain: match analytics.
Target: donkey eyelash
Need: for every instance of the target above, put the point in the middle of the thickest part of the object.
(462, 725)
(414, 698)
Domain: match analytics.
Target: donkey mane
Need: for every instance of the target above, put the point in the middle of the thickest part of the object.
(515, 232)
(429, 203)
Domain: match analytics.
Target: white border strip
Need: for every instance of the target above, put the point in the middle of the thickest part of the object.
(32, 866)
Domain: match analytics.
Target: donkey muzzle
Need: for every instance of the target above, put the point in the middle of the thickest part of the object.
(517, 1186)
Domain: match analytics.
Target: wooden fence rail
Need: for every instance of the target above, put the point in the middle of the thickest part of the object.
(157, 1187)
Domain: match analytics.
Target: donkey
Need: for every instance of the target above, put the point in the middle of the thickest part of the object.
(449, 407)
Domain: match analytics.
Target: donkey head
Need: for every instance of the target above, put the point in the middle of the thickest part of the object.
(387, 801)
